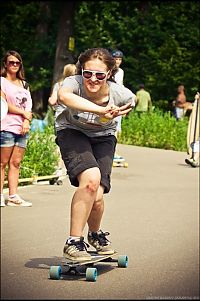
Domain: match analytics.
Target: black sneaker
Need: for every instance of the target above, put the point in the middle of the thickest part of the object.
(76, 250)
(99, 241)
(191, 162)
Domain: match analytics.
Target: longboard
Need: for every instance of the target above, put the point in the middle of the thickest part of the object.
(193, 125)
(119, 162)
(56, 272)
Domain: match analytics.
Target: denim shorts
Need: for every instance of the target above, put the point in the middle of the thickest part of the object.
(80, 152)
(9, 139)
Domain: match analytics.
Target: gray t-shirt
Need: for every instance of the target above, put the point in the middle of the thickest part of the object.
(90, 124)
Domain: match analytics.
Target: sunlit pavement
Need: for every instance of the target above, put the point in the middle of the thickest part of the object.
(152, 214)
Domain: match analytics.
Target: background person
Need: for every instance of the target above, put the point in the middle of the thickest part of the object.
(15, 126)
(119, 79)
(86, 137)
(181, 106)
(194, 133)
(143, 100)
(194, 161)
(68, 70)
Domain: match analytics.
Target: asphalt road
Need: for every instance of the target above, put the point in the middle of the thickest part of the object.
(152, 214)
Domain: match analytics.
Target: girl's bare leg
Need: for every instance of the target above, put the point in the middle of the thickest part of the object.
(14, 169)
(83, 200)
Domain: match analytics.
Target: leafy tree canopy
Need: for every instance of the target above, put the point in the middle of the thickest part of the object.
(160, 40)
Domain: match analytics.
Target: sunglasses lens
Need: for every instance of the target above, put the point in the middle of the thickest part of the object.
(100, 76)
(12, 63)
(87, 74)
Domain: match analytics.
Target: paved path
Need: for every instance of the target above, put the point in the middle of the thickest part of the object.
(152, 214)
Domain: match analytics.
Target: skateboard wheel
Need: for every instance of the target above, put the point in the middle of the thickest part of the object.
(52, 181)
(59, 182)
(126, 165)
(123, 261)
(55, 272)
(91, 274)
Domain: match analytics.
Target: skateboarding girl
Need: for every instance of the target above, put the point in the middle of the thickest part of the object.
(86, 137)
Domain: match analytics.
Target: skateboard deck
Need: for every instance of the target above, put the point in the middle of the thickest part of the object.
(119, 163)
(4, 108)
(95, 258)
(91, 272)
(193, 125)
(53, 179)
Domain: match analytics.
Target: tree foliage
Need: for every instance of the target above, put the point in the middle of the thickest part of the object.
(160, 40)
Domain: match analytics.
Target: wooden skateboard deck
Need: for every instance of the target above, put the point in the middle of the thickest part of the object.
(53, 179)
(95, 258)
(119, 162)
(193, 125)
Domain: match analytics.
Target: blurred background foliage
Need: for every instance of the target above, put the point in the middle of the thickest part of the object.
(160, 42)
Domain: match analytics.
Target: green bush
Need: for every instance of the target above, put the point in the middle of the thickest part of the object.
(42, 155)
(155, 129)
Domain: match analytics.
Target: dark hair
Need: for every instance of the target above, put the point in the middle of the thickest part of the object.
(141, 86)
(97, 53)
(20, 73)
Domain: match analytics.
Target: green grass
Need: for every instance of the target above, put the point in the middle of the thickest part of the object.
(155, 129)
(41, 156)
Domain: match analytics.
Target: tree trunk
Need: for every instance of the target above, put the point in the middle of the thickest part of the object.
(40, 96)
(63, 54)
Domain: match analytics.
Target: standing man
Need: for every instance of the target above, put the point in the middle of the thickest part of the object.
(181, 105)
(119, 79)
(143, 100)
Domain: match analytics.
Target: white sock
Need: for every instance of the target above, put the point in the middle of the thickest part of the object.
(73, 238)
(12, 196)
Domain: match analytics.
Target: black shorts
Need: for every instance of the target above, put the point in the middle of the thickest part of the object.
(80, 152)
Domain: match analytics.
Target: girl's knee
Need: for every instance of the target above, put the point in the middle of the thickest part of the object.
(3, 165)
(15, 164)
(93, 185)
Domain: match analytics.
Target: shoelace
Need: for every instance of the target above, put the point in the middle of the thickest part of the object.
(81, 245)
(101, 237)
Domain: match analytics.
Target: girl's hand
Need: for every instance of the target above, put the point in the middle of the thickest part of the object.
(25, 127)
(27, 115)
(113, 111)
(125, 109)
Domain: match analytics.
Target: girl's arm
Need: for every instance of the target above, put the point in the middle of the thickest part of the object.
(15, 110)
(53, 99)
(79, 103)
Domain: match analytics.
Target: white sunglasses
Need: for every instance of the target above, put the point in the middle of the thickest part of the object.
(98, 74)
